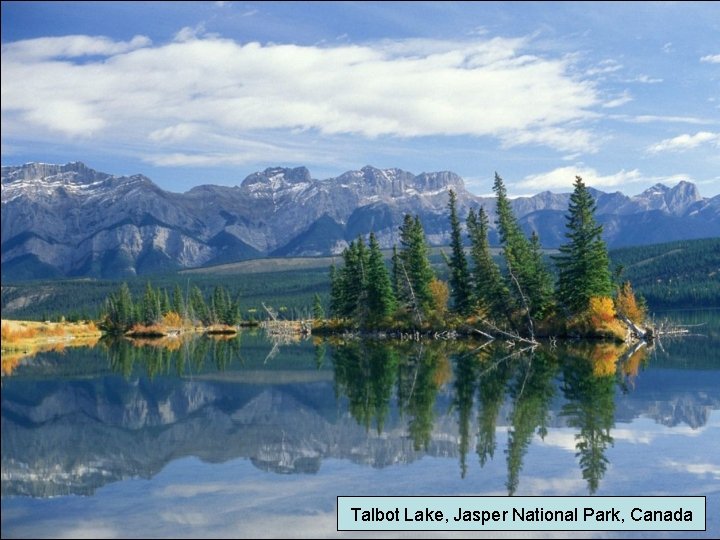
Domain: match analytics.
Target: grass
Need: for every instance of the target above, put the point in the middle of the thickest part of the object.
(22, 339)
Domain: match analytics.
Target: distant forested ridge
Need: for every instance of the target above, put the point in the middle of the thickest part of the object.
(675, 274)
(669, 275)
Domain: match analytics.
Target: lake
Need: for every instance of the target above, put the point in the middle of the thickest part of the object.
(249, 438)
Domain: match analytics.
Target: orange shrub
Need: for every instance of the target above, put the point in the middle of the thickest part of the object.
(601, 311)
(627, 304)
(172, 320)
(440, 294)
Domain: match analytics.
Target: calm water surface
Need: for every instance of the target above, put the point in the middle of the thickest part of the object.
(249, 438)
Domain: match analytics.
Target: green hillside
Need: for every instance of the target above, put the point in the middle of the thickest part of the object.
(677, 274)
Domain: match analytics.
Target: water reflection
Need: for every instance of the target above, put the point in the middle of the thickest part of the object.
(123, 409)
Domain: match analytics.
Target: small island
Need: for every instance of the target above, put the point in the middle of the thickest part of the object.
(519, 300)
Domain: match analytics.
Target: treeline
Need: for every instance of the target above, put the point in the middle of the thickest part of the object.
(676, 274)
(157, 306)
(523, 296)
(290, 292)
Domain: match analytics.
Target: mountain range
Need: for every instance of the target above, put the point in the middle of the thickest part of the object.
(70, 220)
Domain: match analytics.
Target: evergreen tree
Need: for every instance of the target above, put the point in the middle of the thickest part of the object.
(337, 292)
(164, 302)
(380, 296)
(490, 291)
(583, 263)
(396, 278)
(541, 280)
(459, 273)
(415, 267)
(178, 305)
(198, 306)
(354, 280)
(528, 276)
(219, 305)
(318, 311)
(150, 306)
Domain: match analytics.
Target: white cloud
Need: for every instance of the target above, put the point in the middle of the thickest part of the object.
(34, 50)
(711, 58)
(410, 88)
(701, 469)
(686, 142)
(565, 139)
(649, 118)
(563, 177)
(622, 99)
(604, 67)
(644, 79)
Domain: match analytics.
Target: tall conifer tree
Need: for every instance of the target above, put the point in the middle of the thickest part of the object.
(529, 279)
(380, 295)
(490, 291)
(583, 263)
(459, 273)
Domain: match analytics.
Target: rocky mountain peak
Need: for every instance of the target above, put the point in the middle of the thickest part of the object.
(72, 220)
(74, 173)
(277, 177)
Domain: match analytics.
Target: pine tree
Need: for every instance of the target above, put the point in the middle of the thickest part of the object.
(150, 306)
(528, 277)
(337, 292)
(198, 306)
(164, 302)
(318, 311)
(583, 263)
(380, 295)
(541, 280)
(490, 291)
(178, 305)
(219, 305)
(354, 280)
(415, 267)
(396, 278)
(459, 273)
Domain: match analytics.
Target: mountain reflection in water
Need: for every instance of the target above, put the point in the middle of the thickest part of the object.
(75, 421)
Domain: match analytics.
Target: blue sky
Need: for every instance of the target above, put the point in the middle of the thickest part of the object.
(624, 94)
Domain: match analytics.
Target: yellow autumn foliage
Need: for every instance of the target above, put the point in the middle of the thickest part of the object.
(627, 305)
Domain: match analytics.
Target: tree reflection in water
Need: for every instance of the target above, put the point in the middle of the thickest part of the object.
(525, 381)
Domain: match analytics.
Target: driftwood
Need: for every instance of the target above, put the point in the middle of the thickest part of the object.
(511, 336)
(638, 331)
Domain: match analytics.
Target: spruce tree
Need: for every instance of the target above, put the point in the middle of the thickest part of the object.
(178, 305)
(415, 267)
(583, 263)
(380, 295)
(337, 292)
(528, 277)
(150, 305)
(490, 291)
(354, 280)
(164, 299)
(198, 305)
(396, 276)
(318, 311)
(459, 273)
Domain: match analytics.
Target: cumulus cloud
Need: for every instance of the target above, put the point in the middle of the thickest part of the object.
(711, 58)
(411, 88)
(563, 177)
(686, 142)
(34, 50)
